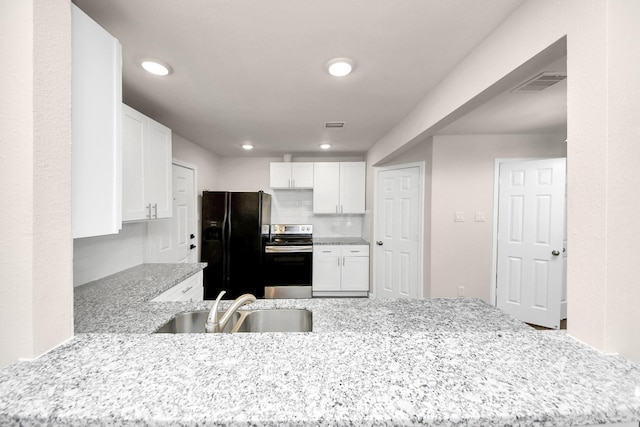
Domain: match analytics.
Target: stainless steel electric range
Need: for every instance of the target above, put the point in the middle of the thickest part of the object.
(288, 261)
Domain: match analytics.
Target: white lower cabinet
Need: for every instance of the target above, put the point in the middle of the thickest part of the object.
(340, 270)
(187, 290)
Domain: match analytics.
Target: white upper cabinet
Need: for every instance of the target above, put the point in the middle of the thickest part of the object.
(339, 188)
(296, 175)
(96, 162)
(146, 167)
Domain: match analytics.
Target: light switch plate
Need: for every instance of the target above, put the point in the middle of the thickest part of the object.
(458, 216)
(480, 216)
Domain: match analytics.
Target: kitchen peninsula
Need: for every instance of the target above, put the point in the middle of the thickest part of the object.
(367, 362)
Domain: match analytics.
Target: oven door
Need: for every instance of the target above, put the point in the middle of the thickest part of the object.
(288, 271)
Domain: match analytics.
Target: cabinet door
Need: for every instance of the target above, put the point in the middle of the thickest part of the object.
(280, 175)
(96, 156)
(355, 273)
(133, 149)
(158, 191)
(326, 270)
(326, 187)
(302, 175)
(352, 187)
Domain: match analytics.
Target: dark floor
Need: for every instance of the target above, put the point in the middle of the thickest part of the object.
(563, 325)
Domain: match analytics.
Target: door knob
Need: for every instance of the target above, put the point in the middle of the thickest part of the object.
(192, 247)
(555, 252)
(379, 243)
(192, 236)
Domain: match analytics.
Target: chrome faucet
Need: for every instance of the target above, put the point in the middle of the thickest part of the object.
(213, 324)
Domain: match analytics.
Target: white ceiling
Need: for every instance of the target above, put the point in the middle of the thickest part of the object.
(254, 70)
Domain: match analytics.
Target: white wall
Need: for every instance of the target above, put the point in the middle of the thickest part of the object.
(623, 198)
(98, 257)
(245, 173)
(602, 123)
(35, 164)
(205, 161)
(462, 181)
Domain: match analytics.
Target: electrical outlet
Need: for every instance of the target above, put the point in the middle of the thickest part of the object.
(458, 216)
(480, 216)
(460, 291)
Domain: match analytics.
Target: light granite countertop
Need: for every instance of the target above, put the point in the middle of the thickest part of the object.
(339, 241)
(448, 362)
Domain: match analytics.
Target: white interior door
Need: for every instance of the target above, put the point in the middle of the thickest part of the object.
(531, 223)
(174, 239)
(397, 233)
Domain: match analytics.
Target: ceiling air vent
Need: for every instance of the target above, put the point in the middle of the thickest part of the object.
(334, 125)
(541, 82)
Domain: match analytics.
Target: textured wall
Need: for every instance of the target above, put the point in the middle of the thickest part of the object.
(623, 198)
(36, 299)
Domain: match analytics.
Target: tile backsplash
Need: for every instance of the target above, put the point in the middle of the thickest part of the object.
(296, 207)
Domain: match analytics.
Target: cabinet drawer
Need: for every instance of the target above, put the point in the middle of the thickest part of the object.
(326, 250)
(188, 290)
(355, 250)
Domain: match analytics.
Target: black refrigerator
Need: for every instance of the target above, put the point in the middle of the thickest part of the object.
(235, 227)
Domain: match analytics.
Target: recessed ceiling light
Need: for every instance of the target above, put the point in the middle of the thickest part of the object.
(247, 146)
(325, 146)
(340, 67)
(156, 67)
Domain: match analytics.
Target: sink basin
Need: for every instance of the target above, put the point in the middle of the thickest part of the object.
(193, 322)
(289, 320)
(273, 320)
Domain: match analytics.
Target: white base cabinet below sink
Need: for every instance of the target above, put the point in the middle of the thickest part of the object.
(188, 290)
(340, 270)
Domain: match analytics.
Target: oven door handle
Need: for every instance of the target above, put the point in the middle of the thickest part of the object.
(287, 249)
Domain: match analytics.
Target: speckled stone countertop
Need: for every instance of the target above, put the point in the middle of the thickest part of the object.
(447, 362)
(339, 241)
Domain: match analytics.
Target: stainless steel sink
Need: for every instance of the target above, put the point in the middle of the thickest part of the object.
(281, 320)
(269, 320)
(193, 322)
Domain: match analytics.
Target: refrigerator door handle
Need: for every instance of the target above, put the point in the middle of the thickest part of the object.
(225, 241)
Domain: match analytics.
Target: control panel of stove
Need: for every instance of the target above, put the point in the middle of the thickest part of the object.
(291, 229)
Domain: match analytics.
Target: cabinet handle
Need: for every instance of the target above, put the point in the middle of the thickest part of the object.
(149, 209)
(155, 207)
(187, 290)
